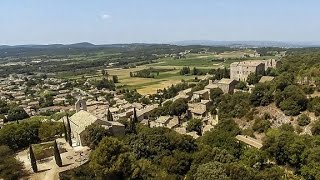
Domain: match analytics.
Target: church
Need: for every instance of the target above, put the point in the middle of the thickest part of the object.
(82, 119)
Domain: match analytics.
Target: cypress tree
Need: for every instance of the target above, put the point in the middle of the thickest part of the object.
(135, 117)
(69, 131)
(132, 125)
(57, 156)
(33, 159)
(65, 132)
(148, 123)
(109, 115)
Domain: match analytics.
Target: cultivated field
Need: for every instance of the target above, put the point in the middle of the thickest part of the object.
(148, 85)
(165, 79)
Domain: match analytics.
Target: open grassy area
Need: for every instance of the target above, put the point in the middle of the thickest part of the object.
(198, 60)
(209, 60)
(147, 85)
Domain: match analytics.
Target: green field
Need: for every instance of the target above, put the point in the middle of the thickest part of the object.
(190, 60)
(208, 61)
(147, 85)
(165, 79)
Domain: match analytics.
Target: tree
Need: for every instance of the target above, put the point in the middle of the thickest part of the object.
(132, 125)
(239, 171)
(145, 100)
(178, 163)
(65, 132)
(69, 131)
(215, 95)
(261, 125)
(236, 105)
(195, 71)
(211, 170)
(103, 72)
(206, 154)
(291, 100)
(10, 167)
(57, 156)
(49, 130)
(33, 159)
(261, 95)
(94, 134)
(16, 113)
(111, 160)
(179, 107)
(316, 128)
(253, 78)
(283, 80)
(146, 169)
(21, 135)
(241, 85)
(274, 172)
(254, 158)
(109, 115)
(185, 71)
(222, 136)
(115, 79)
(3, 107)
(105, 83)
(314, 106)
(195, 125)
(135, 117)
(303, 120)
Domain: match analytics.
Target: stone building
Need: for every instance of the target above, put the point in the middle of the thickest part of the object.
(272, 63)
(202, 94)
(227, 85)
(81, 105)
(82, 119)
(239, 71)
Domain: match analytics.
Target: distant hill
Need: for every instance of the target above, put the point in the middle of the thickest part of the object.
(234, 44)
(248, 43)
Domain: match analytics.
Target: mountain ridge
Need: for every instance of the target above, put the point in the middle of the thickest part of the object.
(249, 44)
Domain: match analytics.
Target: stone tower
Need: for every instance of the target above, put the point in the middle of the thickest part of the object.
(81, 105)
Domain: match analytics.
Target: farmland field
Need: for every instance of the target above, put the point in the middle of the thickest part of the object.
(147, 85)
(171, 74)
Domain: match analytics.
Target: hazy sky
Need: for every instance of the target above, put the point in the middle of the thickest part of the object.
(126, 21)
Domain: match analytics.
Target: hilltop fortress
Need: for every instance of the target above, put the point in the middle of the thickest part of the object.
(240, 71)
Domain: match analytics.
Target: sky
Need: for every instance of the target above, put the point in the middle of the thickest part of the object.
(157, 21)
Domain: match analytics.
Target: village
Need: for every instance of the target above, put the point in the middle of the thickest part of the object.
(81, 107)
(159, 90)
(93, 101)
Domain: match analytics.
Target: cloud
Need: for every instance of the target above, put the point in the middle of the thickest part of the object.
(105, 16)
